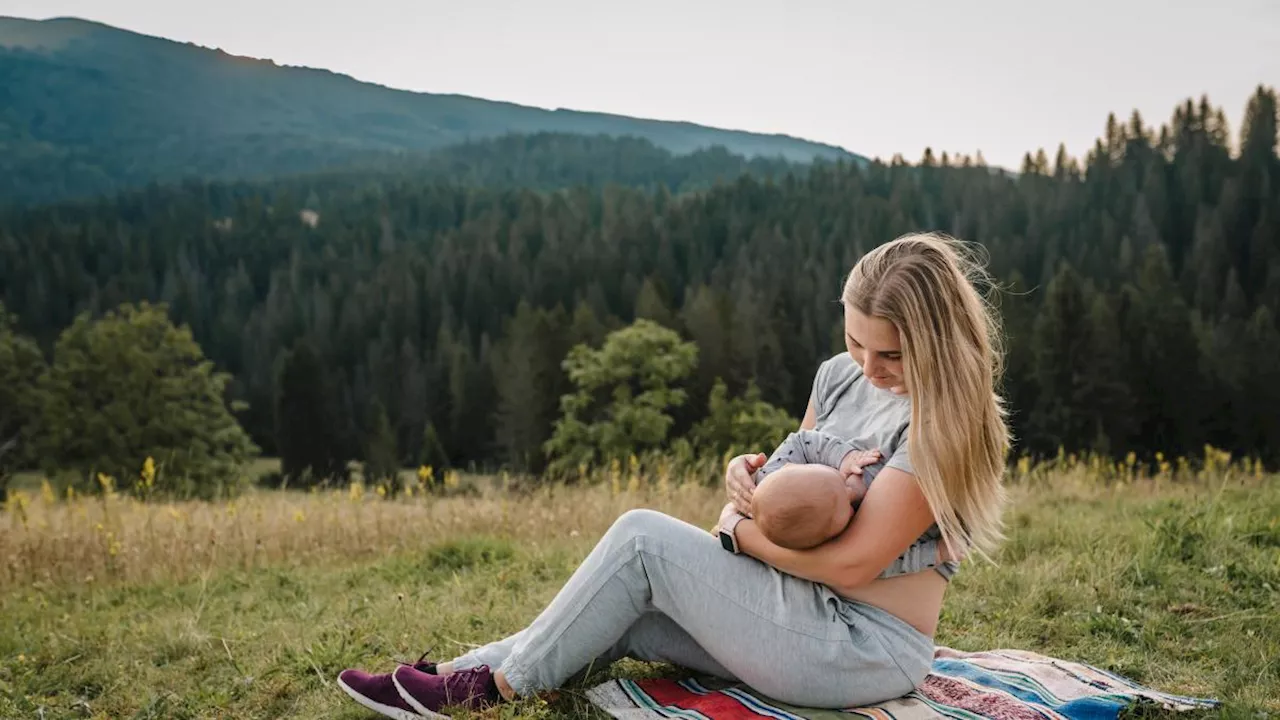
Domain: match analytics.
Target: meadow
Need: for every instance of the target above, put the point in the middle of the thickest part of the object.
(248, 608)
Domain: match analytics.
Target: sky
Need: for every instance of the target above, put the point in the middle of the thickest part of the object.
(877, 78)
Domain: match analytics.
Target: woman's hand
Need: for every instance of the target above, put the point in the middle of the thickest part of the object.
(738, 484)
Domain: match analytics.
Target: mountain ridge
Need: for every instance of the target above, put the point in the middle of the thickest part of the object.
(90, 108)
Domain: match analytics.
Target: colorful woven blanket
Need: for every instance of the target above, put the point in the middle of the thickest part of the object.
(1002, 684)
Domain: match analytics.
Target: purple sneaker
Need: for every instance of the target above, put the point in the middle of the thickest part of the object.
(473, 689)
(378, 693)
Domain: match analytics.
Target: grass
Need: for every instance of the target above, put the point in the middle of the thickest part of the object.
(118, 609)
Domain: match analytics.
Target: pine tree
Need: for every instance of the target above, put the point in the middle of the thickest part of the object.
(471, 399)
(1061, 342)
(1018, 313)
(705, 319)
(381, 457)
(308, 434)
(650, 305)
(411, 399)
(1259, 135)
(1104, 393)
(528, 382)
(1064, 166)
(1169, 390)
(433, 454)
(1262, 394)
(586, 327)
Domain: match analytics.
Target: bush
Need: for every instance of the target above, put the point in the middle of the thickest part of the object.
(132, 386)
(744, 423)
(624, 392)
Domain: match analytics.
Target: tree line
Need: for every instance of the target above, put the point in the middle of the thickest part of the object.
(419, 317)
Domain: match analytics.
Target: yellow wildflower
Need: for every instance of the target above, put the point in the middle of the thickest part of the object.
(147, 478)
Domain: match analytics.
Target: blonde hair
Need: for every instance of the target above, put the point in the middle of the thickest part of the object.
(952, 356)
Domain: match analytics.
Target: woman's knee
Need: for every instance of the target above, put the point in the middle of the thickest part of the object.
(641, 522)
(656, 534)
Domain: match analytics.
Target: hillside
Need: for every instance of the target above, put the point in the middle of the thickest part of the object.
(1141, 317)
(86, 109)
(541, 161)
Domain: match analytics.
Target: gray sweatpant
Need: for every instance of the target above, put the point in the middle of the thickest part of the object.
(659, 589)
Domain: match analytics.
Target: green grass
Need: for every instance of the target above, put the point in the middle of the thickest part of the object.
(1176, 588)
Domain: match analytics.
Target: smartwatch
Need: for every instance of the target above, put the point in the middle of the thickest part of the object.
(728, 538)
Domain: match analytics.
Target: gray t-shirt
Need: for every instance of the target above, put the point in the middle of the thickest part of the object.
(848, 406)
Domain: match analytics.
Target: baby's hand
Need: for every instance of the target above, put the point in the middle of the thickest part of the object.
(855, 460)
(851, 467)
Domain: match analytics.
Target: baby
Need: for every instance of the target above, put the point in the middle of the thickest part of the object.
(812, 490)
(811, 493)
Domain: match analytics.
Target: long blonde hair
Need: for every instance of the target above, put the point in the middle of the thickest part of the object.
(926, 285)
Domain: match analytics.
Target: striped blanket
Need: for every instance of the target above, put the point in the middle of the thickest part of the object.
(1002, 684)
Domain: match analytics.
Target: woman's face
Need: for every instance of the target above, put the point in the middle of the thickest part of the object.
(875, 346)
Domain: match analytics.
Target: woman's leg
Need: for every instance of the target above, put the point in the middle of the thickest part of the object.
(493, 655)
(654, 638)
(788, 638)
(657, 638)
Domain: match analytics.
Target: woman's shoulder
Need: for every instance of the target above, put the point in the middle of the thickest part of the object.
(839, 367)
(834, 376)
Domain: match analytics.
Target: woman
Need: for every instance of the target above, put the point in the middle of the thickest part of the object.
(815, 627)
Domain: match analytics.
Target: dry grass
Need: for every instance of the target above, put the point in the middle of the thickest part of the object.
(118, 539)
(249, 608)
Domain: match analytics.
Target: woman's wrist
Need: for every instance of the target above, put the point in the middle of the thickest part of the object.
(745, 534)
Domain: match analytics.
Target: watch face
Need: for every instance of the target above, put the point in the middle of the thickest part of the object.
(726, 541)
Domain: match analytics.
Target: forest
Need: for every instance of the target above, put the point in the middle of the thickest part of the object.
(1139, 284)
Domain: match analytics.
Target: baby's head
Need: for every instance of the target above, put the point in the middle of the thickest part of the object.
(802, 506)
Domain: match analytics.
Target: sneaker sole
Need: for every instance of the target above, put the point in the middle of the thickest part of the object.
(422, 710)
(386, 710)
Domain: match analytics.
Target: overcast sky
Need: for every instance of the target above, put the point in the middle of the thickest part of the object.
(1001, 76)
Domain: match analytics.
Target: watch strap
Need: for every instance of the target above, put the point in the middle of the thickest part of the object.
(728, 534)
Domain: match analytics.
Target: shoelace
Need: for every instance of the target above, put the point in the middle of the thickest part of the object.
(470, 686)
(420, 664)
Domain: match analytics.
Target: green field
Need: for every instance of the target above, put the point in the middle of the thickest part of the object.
(115, 609)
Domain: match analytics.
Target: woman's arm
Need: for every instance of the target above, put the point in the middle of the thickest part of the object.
(810, 420)
(893, 515)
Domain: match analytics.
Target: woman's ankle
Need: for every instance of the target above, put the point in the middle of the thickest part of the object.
(445, 668)
(507, 692)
